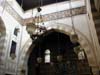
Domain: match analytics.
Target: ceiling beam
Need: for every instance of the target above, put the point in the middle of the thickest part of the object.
(59, 15)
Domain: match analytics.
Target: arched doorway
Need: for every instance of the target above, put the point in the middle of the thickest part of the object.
(63, 59)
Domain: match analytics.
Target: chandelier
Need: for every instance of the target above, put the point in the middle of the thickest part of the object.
(36, 28)
(73, 36)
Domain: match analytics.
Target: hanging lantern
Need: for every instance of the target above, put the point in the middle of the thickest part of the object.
(39, 9)
(77, 49)
(59, 58)
(80, 52)
(31, 28)
(36, 28)
(81, 55)
(39, 60)
(74, 38)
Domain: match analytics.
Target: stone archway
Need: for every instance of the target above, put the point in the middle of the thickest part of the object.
(84, 42)
(3, 43)
(60, 46)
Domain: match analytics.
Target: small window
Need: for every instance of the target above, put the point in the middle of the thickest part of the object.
(16, 31)
(13, 50)
(47, 56)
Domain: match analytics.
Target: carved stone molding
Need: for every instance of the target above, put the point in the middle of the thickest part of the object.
(83, 40)
(13, 13)
(60, 15)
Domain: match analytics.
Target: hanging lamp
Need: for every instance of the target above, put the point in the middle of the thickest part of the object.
(39, 58)
(80, 52)
(73, 36)
(59, 56)
(37, 27)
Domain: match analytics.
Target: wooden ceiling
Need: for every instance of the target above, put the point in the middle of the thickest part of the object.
(29, 4)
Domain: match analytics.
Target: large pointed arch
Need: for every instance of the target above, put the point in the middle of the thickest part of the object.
(66, 29)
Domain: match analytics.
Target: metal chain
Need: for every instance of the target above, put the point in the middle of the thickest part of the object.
(39, 53)
(71, 14)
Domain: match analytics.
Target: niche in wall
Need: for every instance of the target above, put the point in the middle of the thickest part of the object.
(13, 49)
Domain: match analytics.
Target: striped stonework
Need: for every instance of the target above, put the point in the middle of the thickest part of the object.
(60, 15)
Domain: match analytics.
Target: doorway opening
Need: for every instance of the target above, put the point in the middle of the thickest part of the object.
(56, 56)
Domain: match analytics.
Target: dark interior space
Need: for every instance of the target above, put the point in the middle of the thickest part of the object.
(29, 4)
(58, 44)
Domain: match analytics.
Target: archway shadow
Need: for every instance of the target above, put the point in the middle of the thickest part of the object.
(59, 44)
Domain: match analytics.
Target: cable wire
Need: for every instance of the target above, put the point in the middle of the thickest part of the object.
(71, 14)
